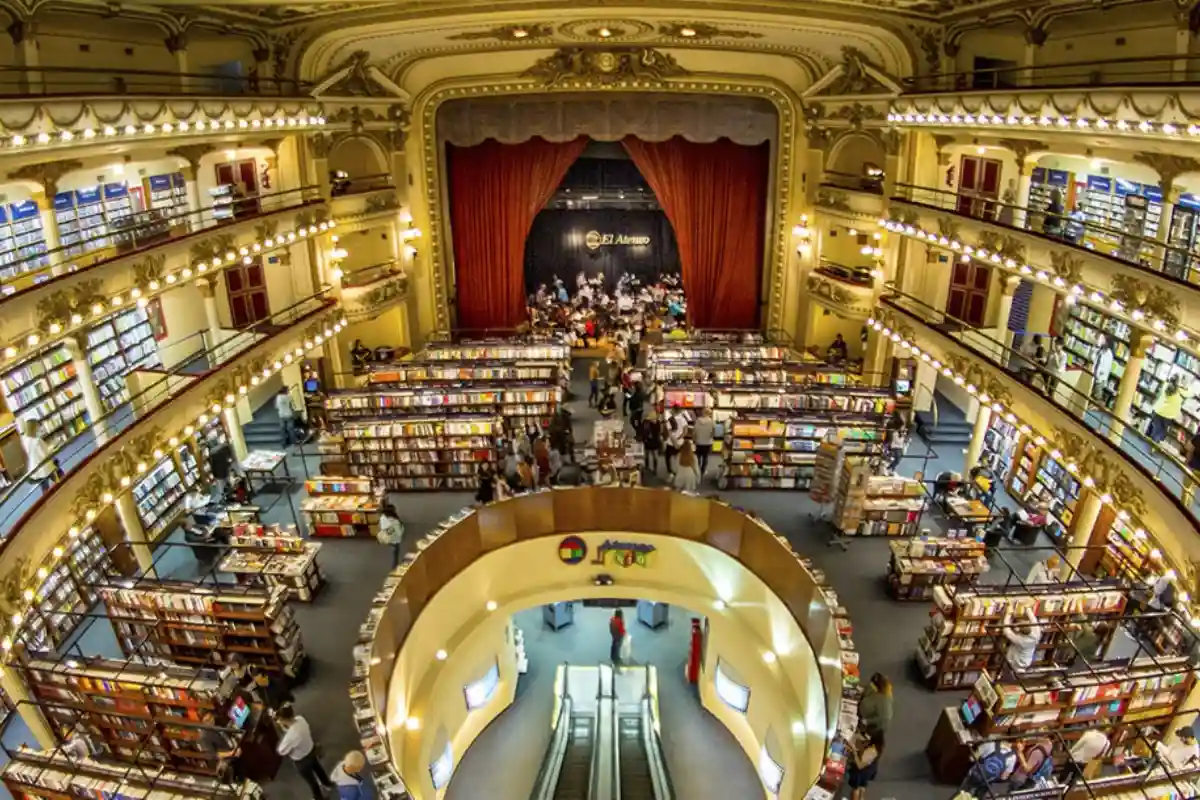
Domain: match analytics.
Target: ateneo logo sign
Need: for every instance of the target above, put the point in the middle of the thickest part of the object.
(595, 240)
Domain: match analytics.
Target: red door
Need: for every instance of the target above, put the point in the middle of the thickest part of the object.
(247, 289)
(978, 186)
(968, 298)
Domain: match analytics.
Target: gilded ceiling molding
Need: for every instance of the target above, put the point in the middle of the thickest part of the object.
(357, 77)
(855, 75)
(854, 302)
(786, 105)
(506, 33)
(604, 66)
(1153, 300)
(602, 30)
(834, 200)
(698, 31)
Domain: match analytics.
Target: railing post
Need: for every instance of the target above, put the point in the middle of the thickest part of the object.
(83, 376)
(1127, 388)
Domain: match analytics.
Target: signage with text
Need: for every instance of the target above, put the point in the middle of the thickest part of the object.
(595, 240)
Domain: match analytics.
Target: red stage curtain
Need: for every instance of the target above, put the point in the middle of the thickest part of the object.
(715, 196)
(495, 192)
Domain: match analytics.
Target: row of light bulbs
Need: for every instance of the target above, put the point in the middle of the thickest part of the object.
(66, 136)
(244, 255)
(1141, 127)
(1025, 430)
(1075, 293)
(189, 430)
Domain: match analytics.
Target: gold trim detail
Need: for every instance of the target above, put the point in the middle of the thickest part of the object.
(605, 66)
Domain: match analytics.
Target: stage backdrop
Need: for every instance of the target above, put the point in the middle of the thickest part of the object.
(608, 241)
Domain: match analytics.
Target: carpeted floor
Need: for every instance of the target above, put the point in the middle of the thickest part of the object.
(701, 755)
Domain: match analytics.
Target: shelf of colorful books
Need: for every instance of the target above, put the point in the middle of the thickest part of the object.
(159, 497)
(832, 399)
(717, 351)
(53, 775)
(498, 351)
(765, 373)
(423, 453)
(195, 625)
(274, 556)
(963, 637)
(919, 564)
(876, 505)
(341, 507)
(430, 371)
(779, 451)
(538, 402)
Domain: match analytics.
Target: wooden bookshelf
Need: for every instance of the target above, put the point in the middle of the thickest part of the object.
(523, 401)
(438, 371)
(1026, 457)
(51, 775)
(918, 565)
(963, 638)
(831, 399)
(424, 453)
(773, 374)
(720, 352)
(341, 507)
(193, 625)
(500, 350)
(779, 451)
(274, 557)
(874, 505)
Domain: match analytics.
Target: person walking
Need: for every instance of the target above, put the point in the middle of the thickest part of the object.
(297, 744)
(703, 431)
(594, 379)
(687, 472)
(38, 462)
(616, 632)
(220, 466)
(1167, 409)
(875, 707)
(391, 531)
(637, 407)
(674, 442)
(652, 440)
(287, 416)
(486, 491)
(864, 762)
(350, 778)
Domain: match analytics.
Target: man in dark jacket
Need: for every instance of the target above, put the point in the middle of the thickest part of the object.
(220, 463)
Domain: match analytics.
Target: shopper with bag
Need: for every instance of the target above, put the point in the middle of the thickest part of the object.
(864, 763)
(1035, 762)
(616, 631)
(391, 532)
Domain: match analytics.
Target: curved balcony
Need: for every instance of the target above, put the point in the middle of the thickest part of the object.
(871, 184)
(252, 354)
(24, 82)
(369, 291)
(1138, 71)
(1152, 469)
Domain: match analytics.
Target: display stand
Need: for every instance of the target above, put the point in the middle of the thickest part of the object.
(918, 565)
(276, 557)
(341, 507)
(611, 447)
(423, 453)
(190, 624)
(779, 451)
(264, 466)
(876, 505)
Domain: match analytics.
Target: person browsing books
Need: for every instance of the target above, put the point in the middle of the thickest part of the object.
(297, 744)
(1044, 572)
(1023, 638)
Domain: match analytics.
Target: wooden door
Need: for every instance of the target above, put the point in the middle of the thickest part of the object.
(248, 176)
(978, 186)
(968, 299)
(247, 289)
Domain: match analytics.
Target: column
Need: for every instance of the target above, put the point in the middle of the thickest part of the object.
(215, 334)
(818, 143)
(1184, 29)
(1087, 511)
(237, 437)
(45, 201)
(31, 714)
(177, 46)
(25, 48)
(399, 159)
(876, 357)
(1035, 37)
(1127, 389)
(1008, 287)
(1024, 182)
(975, 449)
(135, 533)
(190, 176)
(77, 349)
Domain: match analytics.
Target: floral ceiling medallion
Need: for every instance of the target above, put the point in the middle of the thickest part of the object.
(700, 31)
(604, 65)
(602, 30)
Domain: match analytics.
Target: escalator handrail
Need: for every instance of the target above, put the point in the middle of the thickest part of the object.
(597, 733)
(660, 777)
(615, 762)
(547, 779)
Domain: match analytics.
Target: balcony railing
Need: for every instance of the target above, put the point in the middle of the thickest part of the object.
(1137, 71)
(23, 82)
(134, 239)
(342, 187)
(1145, 252)
(1161, 464)
(855, 276)
(364, 276)
(23, 496)
(872, 184)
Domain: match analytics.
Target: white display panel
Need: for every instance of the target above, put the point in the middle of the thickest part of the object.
(733, 693)
(442, 768)
(770, 772)
(479, 692)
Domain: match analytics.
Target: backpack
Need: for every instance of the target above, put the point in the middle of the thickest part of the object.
(1045, 768)
(993, 767)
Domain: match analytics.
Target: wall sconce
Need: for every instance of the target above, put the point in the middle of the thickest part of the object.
(411, 252)
(803, 235)
(410, 233)
(406, 217)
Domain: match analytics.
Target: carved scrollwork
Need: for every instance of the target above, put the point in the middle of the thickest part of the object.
(947, 227)
(604, 66)
(836, 201)
(1067, 266)
(219, 244)
(150, 268)
(1153, 300)
(265, 230)
(382, 202)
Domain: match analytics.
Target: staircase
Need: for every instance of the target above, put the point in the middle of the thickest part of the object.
(951, 427)
(574, 781)
(264, 431)
(635, 769)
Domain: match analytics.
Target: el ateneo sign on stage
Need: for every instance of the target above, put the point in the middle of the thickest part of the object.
(595, 240)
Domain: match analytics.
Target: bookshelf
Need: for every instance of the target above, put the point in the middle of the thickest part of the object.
(51, 775)
(527, 401)
(780, 451)
(875, 505)
(168, 194)
(720, 352)
(841, 400)
(1081, 337)
(221, 202)
(963, 639)
(918, 565)
(1039, 477)
(22, 241)
(498, 351)
(440, 371)
(276, 557)
(423, 453)
(1027, 456)
(158, 497)
(195, 625)
(136, 712)
(341, 507)
(755, 373)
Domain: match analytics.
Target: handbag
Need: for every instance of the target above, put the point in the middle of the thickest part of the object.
(627, 647)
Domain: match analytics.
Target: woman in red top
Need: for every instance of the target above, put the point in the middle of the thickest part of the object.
(541, 456)
(616, 629)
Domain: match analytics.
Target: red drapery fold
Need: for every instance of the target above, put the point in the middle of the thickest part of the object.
(495, 192)
(714, 194)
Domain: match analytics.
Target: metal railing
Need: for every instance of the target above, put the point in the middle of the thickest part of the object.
(547, 779)
(24, 495)
(366, 275)
(163, 229)
(855, 182)
(1134, 71)
(1144, 252)
(23, 82)
(1158, 463)
(343, 187)
(660, 777)
(856, 276)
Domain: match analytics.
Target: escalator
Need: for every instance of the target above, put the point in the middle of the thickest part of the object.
(575, 777)
(636, 780)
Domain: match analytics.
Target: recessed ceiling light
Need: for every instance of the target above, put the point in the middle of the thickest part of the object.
(769, 657)
(440, 655)
(605, 33)
(519, 33)
(688, 32)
